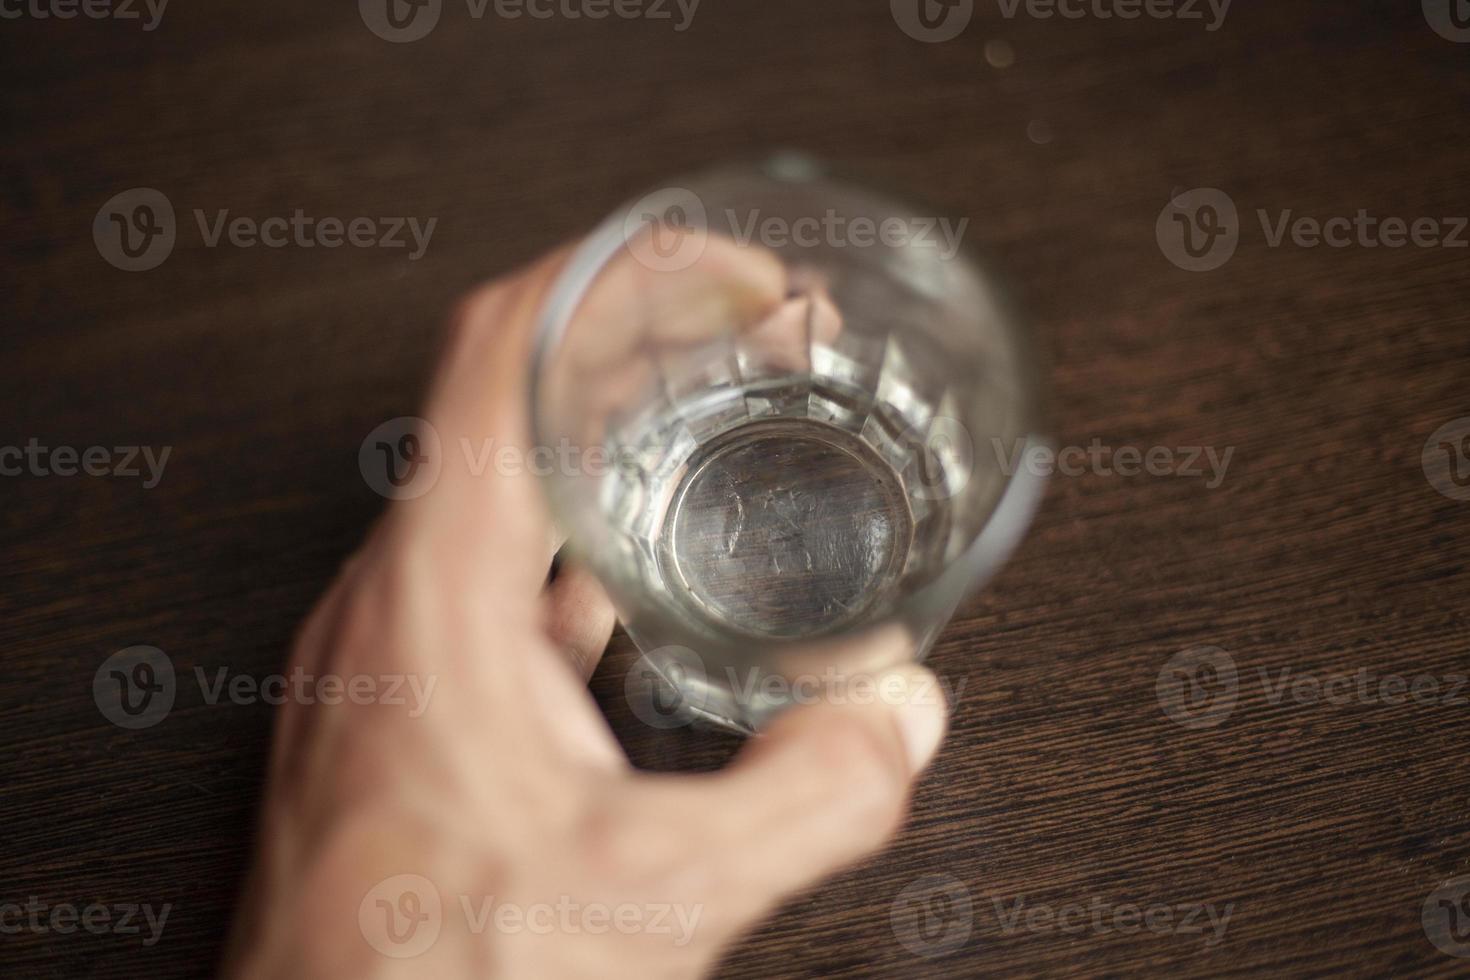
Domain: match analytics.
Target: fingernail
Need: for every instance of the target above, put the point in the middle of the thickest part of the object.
(923, 715)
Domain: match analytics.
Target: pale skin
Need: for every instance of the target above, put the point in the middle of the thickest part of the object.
(509, 786)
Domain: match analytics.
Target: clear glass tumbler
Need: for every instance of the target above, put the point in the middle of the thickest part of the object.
(788, 411)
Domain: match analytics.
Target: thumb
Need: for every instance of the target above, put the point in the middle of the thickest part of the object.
(827, 785)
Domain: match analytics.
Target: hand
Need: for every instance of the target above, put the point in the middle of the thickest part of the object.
(494, 828)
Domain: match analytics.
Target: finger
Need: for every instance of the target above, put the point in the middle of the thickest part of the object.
(481, 518)
(580, 617)
(641, 334)
(632, 308)
(638, 340)
(827, 785)
(781, 342)
(785, 339)
(484, 523)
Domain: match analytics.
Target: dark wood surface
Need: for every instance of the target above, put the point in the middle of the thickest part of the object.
(1325, 550)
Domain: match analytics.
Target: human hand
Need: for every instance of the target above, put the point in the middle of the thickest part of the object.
(393, 840)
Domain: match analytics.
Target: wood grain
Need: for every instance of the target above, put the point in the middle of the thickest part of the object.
(1325, 827)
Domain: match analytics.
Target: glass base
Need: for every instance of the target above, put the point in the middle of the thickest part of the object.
(784, 529)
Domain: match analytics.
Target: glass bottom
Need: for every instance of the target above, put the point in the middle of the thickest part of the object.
(783, 529)
(762, 517)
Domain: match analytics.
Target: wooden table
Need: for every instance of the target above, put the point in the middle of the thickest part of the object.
(1068, 806)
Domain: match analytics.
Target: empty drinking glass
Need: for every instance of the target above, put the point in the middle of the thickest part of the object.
(787, 411)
